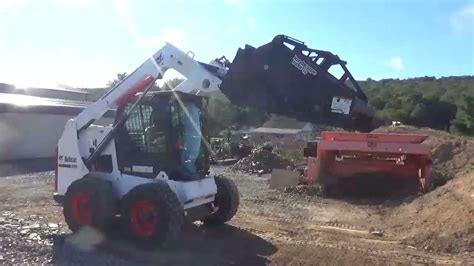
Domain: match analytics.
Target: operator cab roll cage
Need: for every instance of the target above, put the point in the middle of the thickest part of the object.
(133, 147)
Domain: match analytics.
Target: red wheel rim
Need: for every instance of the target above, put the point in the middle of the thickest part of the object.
(81, 207)
(144, 218)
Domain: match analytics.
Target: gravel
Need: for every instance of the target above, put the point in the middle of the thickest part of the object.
(261, 161)
(309, 190)
(26, 240)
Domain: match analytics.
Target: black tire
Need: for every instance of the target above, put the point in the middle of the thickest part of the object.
(226, 200)
(89, 201)
(152, 214)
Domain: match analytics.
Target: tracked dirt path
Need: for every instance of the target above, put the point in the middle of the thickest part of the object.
(271, 227)
(334, 231)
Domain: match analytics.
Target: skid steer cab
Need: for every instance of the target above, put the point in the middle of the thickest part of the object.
(153, 175)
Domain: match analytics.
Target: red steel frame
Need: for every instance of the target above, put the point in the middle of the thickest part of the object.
(346, 154)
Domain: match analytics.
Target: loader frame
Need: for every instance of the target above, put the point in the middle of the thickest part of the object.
(340, 155)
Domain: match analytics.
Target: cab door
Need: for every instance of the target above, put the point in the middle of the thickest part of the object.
(141, 141)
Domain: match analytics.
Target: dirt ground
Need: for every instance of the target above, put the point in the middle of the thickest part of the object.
(271, 227)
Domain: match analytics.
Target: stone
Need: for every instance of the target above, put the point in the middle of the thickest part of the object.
(377, 232)
(33, 236)
(34, 226)
(53, 225)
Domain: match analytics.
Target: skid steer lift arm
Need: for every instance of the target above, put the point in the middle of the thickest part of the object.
(200, 77)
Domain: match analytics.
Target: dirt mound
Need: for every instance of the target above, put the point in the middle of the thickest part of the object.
(261, 161)
(442, 220)
(452, 154)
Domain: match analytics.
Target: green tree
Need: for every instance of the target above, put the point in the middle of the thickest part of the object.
(171, 84)
(122, 76)
(464, 122)
(378, 102)
(117, 80)
(225, 115)
(425, 101)
(221, 113)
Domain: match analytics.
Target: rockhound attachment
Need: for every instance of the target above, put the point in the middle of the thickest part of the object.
(341, 155)
(286, 77)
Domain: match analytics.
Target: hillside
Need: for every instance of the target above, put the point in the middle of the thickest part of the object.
(445, 103)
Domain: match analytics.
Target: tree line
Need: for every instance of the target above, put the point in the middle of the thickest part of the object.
(441, 103)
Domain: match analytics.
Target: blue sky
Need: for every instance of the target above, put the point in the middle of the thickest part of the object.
(83, 43)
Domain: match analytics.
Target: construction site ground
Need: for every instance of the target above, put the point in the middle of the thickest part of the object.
(291, 226)
(271, 227)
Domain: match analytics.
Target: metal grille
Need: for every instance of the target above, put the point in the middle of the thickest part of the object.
(136, 124)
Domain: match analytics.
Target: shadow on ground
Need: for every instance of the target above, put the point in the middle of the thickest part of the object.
(376, 190)
(199, 245)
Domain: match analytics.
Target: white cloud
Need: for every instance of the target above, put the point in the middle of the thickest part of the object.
(75, 68)
(122, 8)
(232, 2)
(237, 5)
(238, 28)
(396, 63)
(235, 29)
(10, 6)
(150, 44)
(74, 4)
(251, 23)
(175, 36)
(67, 66)
(463, 19)
(9, 9)
(47, 69)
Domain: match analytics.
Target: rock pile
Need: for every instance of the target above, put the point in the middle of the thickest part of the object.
(261, 161)
(26, 240)
(35, 241)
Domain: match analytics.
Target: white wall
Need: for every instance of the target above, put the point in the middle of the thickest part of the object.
(29, 136)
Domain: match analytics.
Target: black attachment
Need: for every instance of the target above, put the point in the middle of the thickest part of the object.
(286, 77)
